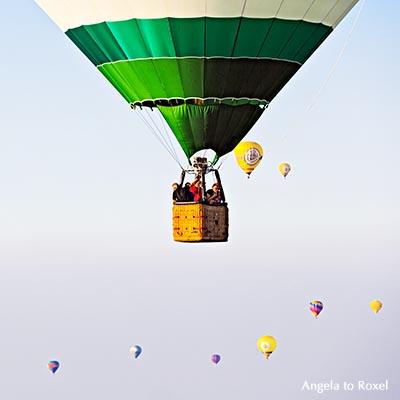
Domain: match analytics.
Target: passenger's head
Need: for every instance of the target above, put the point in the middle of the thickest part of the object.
(216, 186)
(174, 186)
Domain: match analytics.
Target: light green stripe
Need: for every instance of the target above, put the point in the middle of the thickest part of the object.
(201, 37)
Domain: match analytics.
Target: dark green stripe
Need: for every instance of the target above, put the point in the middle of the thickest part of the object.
(219, 128)
(202, 37)
(198, 77)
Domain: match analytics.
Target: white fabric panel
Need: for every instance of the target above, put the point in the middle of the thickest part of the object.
(72, 13)
(329, 12)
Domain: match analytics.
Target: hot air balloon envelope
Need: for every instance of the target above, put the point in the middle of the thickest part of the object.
(375, 305)
(211, 67)
(284, 169)
(136, 351)
(215, 358)
(266, 344)
(316, 307)
(53, 366)
(248, 156)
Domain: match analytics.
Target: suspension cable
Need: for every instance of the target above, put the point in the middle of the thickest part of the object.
(339, 57)
(284, 138)
(169, 138)
(151, 124)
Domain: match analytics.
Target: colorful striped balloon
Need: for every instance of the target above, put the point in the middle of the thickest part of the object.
(316, 307)
(53, 366)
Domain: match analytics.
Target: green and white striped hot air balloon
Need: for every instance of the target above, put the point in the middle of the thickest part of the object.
(210, 66)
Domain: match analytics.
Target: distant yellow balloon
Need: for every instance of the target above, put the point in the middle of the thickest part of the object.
(266, 344)
(284, 169)
(375, 305)
(248, 156)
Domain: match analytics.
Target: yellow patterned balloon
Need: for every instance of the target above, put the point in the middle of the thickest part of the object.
(266, 344)
(284, 169)
(248, 156)
(375, 305)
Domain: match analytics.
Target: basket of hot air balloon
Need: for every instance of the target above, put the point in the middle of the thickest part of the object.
(199, 222)
(204, 217)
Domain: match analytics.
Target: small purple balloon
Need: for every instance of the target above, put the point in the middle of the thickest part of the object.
(215, 358)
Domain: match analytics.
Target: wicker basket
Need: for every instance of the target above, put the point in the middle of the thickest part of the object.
(198, 222)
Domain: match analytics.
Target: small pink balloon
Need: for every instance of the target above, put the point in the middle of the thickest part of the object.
(215, 358)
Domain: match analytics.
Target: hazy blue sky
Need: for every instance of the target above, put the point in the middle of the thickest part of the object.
(88, 266)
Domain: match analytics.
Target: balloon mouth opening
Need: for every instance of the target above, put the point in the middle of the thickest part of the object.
(197, 101)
